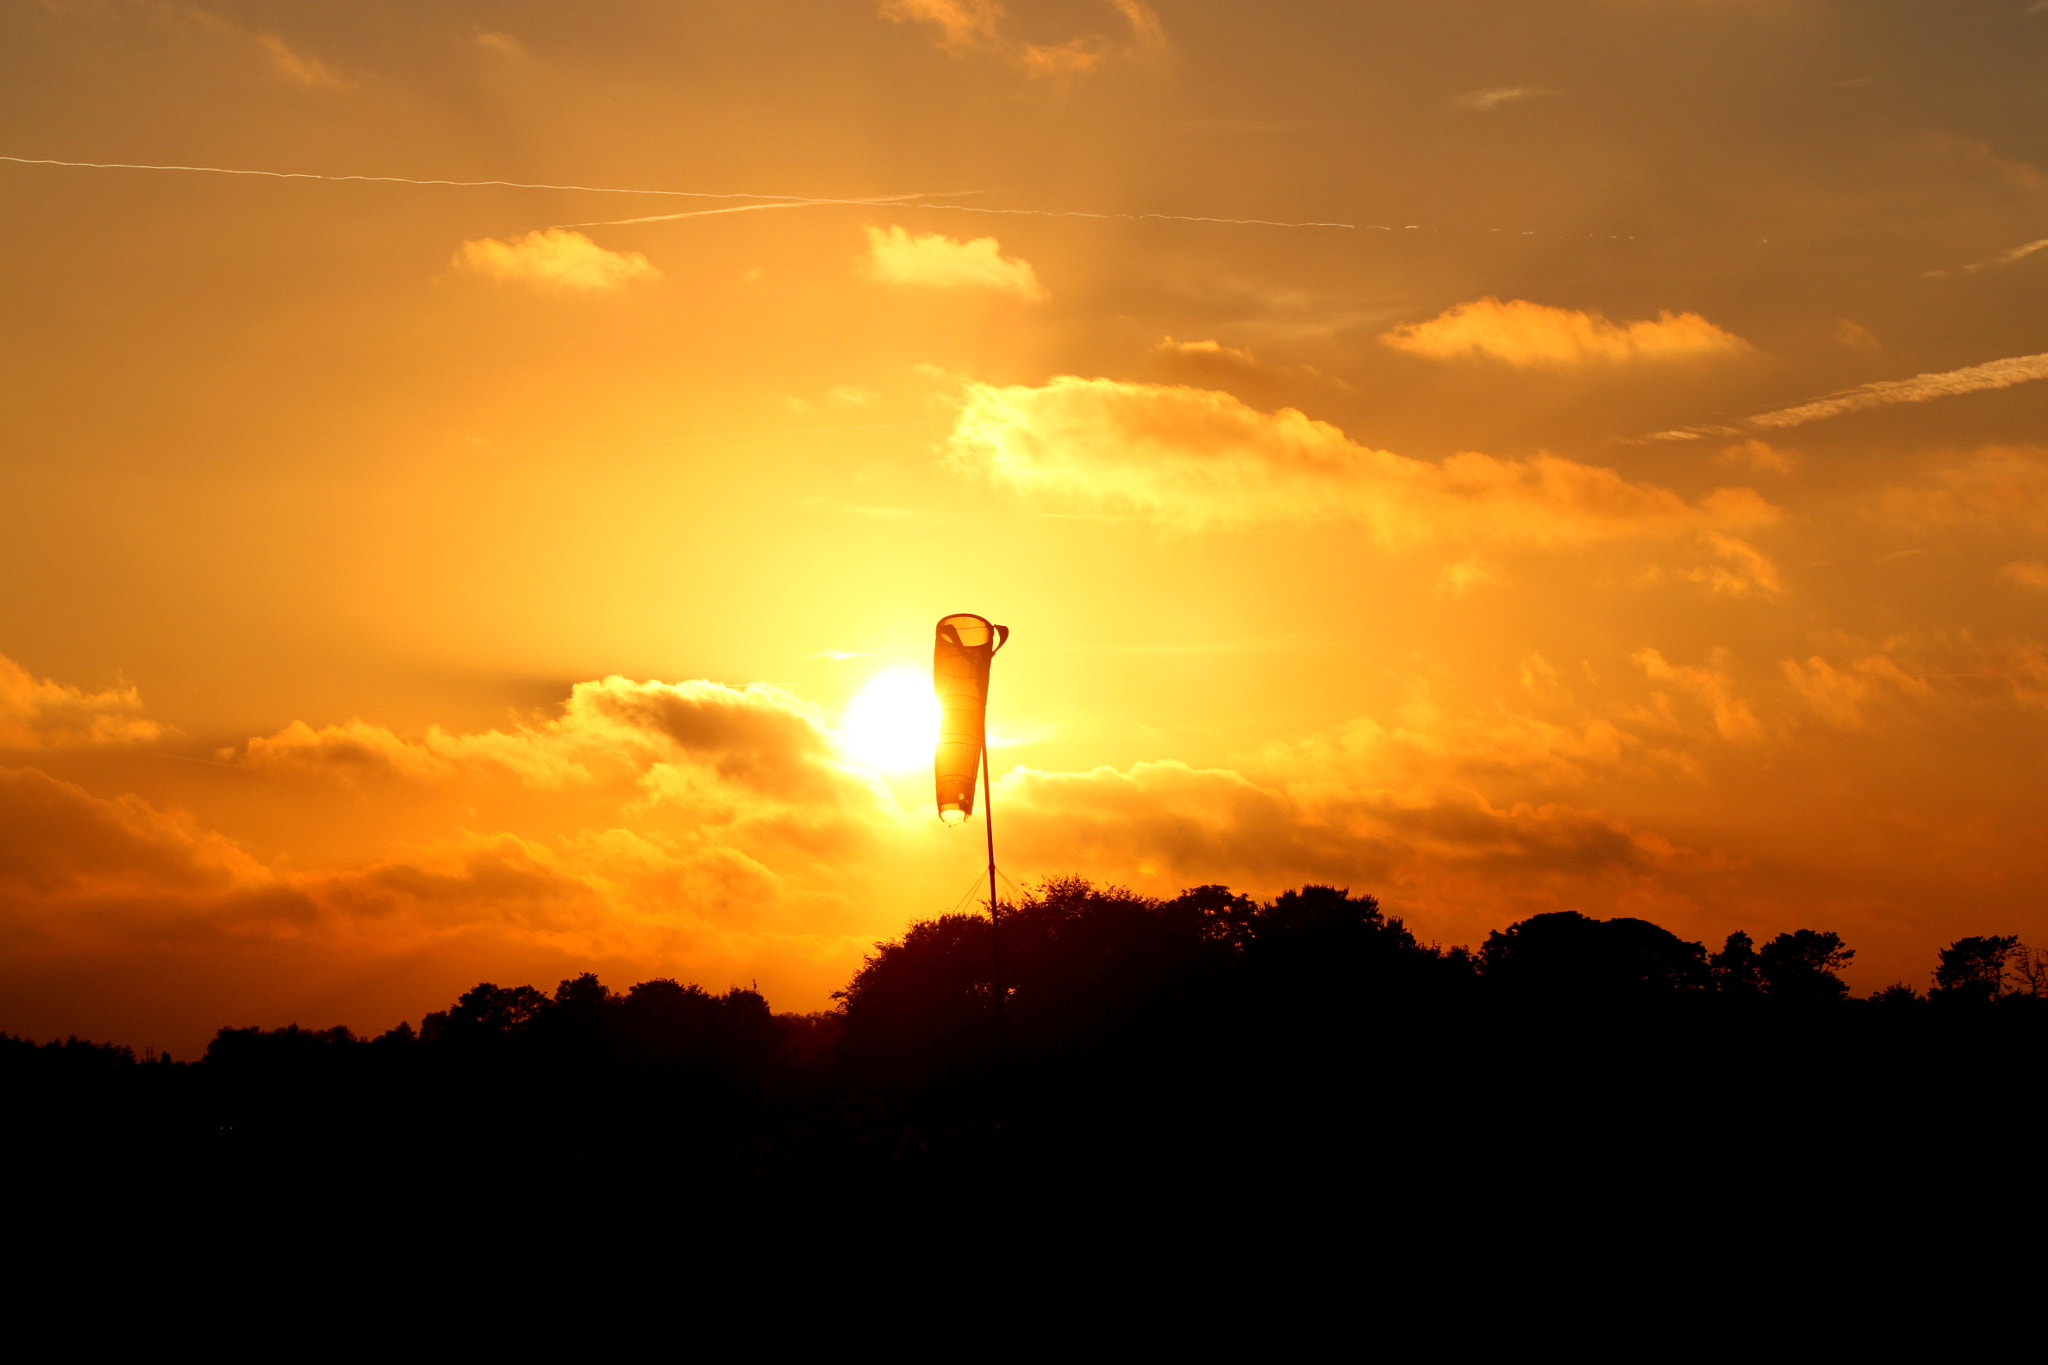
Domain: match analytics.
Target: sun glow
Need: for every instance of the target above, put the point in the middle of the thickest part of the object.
(893, 723)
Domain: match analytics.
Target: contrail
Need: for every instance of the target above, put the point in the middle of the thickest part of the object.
(784, 200)
(389, 179)
(1921, 388)
(1132, 217)
(897, 199)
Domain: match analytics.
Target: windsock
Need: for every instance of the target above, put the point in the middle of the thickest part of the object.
(960, 660)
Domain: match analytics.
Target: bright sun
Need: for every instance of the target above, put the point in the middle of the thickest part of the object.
(893, 723)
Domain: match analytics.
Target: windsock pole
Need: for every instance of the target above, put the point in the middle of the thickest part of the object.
(995, 935)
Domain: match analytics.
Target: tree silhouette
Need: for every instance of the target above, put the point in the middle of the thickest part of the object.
(1736, 971)
(1565, 957)
(1973, 969)
(1205, 1038)
(1800, 968)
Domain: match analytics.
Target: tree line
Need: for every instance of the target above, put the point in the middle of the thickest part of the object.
(1089, 1021)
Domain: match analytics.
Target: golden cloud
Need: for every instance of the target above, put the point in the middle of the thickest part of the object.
(976, 26)
(1529, 334)
(1712, 686)
(555, 259)
(36, 713)
(1840, 696)
(1200, 457)
(760, 740)
(897, 257)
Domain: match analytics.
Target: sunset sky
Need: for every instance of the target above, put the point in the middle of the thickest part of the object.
(1499, 455)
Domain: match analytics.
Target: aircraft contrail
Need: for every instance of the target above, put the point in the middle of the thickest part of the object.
(781, 200)
(897, 199)
(1921, 388)
(392, 179)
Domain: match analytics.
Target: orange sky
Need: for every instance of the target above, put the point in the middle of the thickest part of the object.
(1627, 494)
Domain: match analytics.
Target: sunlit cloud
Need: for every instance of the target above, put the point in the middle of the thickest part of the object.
(937, 261)
(2026, 573)
(36, 713)
(1200, 457)
(1842, 696)
(760, 738)
(968, 27)
(555, 260)
(1712, 686)
(1518, 332)
(1733, 568)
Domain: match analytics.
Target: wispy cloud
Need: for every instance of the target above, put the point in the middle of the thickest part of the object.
(1484, 100)
(1921, 388)
(2006, 257)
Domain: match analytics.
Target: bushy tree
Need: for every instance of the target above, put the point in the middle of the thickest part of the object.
(1973, 969)
(1800, 968)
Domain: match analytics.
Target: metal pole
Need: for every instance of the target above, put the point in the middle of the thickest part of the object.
(988, 816)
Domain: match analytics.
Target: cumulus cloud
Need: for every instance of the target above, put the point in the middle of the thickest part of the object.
(969, 27)
(1210, 351)
(934, 259)
(760, 740)
(36, 713)
(1530, 334)
(58, 840)
(556, 260)
(1200, 457)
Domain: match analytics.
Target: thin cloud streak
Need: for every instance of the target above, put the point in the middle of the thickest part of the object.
(1921, 388)
(793, 200)
(2003, 258)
